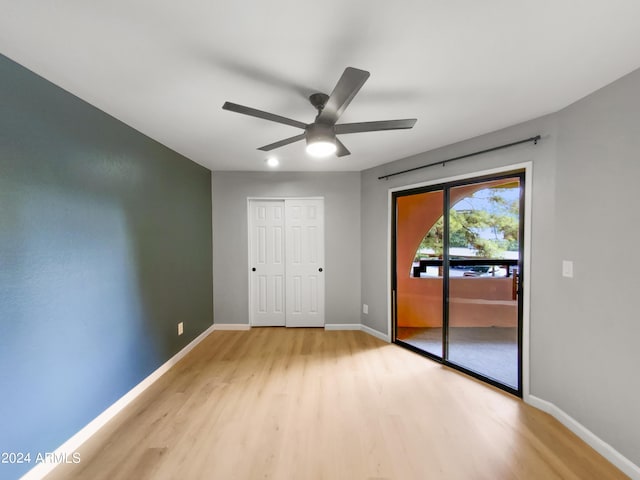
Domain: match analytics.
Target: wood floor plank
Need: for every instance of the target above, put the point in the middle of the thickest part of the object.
(276, 403)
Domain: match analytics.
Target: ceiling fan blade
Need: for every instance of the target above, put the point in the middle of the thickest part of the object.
(375, 126)
(350, 83)
(342, 150)
(234, 107)
(282, 143)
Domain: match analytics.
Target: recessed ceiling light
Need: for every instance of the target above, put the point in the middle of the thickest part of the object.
(272, 162)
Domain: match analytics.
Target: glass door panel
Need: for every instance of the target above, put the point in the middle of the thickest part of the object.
(419, 288)
(483, 259)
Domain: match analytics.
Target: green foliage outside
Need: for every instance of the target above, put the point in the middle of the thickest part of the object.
(489, 226)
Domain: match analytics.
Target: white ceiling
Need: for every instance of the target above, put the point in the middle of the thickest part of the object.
(461, 67)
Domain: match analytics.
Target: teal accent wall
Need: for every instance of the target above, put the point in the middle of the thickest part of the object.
(105, 245)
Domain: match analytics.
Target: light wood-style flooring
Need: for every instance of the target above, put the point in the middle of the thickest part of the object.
(276, 403)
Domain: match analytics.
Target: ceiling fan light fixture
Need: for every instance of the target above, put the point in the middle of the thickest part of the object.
(321, 148)
(321, 140)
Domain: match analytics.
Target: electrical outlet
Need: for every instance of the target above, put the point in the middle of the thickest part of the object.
(180, 328)
(567, 268)
(365, 308)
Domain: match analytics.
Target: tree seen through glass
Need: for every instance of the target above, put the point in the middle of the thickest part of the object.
(486, 223)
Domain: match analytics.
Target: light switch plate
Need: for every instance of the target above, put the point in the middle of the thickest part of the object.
(180, 328)
(365, 308)
(567, 268)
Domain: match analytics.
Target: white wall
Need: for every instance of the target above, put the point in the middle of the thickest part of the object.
(341, 192)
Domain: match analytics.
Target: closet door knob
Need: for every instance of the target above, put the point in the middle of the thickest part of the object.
(320, 269)
(253, 269)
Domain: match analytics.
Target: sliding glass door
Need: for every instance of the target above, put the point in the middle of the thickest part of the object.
(457, 265)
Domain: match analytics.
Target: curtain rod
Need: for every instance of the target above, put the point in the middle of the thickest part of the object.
(444, 162)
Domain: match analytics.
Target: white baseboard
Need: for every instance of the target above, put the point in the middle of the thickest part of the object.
(382, 336)
(342, 326)
(70, 446)
(358, 326)
(231, 326)
(603, 448)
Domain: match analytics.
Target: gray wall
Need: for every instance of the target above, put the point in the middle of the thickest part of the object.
(592, 354)
(584, 331)
(341, 192)
(105, 244)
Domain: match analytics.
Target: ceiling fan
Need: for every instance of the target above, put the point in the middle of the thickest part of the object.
(320, 135)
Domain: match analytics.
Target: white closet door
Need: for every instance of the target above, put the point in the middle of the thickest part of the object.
(267, 257)
(304, 220)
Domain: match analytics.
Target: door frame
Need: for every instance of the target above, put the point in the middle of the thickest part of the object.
(526, 258)
(250, 244)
